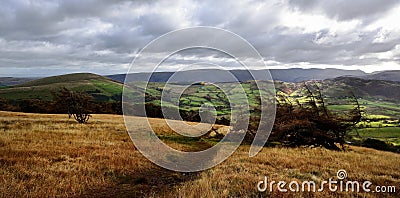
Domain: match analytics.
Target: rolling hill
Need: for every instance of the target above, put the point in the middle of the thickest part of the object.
(376, 89)
(340, 87)
(385, 75)
(380, 97)
(377, 97)
(101, 88)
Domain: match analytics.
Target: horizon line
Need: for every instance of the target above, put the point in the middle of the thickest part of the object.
(167, 71)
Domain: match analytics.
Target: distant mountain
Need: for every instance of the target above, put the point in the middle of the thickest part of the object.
(286, 75)
(10, 81)
(299, 75)
(102, 88)
(385, 75)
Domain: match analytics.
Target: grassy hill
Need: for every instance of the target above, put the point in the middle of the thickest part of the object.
(374, 89)
(50, 155)
(385, 75)
(101, 88)
(377, 97)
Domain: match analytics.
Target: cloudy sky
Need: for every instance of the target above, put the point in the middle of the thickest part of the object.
(41, 38)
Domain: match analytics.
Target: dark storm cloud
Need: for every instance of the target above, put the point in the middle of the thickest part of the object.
(104, 36)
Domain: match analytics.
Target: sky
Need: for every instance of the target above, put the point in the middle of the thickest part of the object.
(52, 37)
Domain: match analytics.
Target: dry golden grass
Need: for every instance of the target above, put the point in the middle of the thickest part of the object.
(238, 176)
(49, 155)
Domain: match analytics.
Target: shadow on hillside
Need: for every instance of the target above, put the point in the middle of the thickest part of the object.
(151, 181)
(146, 183)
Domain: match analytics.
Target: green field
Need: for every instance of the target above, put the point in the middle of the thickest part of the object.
(196, 95)
(386, 134)
(101, 88)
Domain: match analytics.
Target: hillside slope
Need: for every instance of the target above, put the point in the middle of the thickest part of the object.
(101, 88)
(375, 89)
(375, 96)
(385, 75)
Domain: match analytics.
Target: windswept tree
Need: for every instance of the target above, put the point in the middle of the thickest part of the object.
(308, 122)
(76, 104)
